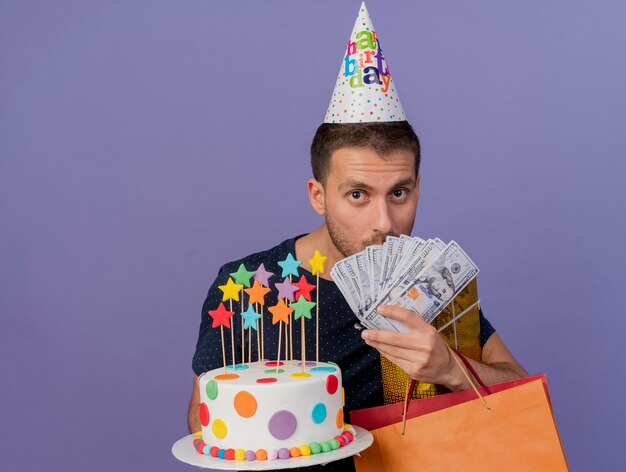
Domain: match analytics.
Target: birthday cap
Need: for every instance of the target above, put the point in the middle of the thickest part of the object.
(364, 91)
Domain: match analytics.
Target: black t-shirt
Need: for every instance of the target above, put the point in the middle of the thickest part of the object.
(339, 340)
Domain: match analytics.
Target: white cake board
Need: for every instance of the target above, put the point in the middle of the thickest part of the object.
(184, 451)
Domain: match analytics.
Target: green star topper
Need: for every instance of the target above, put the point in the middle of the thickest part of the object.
(242, 276)
(302, 307)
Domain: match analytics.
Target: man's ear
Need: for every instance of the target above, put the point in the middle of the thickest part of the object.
(417, 186)
(316, 196)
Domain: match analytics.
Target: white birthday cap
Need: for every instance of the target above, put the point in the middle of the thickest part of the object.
(364, 91)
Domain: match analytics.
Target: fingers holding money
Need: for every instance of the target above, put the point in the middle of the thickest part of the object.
(421, 352)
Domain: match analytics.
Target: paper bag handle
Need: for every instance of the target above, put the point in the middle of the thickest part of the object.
(456, 356)
(472, 370)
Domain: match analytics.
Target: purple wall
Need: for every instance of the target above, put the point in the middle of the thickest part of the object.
(144, 143)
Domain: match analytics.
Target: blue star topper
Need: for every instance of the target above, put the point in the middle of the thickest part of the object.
(250, 318)
(290, 266)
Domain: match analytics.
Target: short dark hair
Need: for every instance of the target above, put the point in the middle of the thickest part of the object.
(384, 138)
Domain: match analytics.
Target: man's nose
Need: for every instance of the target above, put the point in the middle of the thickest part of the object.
(382, 217)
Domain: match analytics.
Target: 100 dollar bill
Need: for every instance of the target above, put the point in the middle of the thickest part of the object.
(436, 285)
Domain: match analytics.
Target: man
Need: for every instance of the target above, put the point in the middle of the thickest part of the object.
(366, 187)
(366, 184)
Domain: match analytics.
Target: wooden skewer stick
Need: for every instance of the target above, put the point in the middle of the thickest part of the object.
(303, 344)
(223, 348)
(262, 335)
(258, 344)
(280, 330)
(317, 319)
(286, 344)
(243, 331)
(290, 332)
(249, 346)
(232, 336)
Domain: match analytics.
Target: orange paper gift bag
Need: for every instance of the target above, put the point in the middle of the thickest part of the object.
(457, 432)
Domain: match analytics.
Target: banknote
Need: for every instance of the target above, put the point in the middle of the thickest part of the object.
(388, 252)
(436, 285)
(422, 275)
(423, 258)
(374, 261)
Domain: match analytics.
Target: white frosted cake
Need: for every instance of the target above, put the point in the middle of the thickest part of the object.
(264, 411)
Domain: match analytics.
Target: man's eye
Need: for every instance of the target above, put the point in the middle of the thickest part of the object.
(356, 195)
(399, 193)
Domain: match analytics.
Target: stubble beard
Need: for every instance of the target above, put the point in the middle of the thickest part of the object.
(342, 242)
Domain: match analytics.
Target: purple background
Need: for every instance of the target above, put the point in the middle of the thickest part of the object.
(145, 143)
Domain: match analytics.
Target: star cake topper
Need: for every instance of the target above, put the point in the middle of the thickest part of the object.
(250, 318)
(242, 276)
(317, 262)
(230, 290)
(280, 312)
(221, 316)
(286, 290)
(257, 293)
(304, 288)
(263, 275)
(290, 266)
(302, 307)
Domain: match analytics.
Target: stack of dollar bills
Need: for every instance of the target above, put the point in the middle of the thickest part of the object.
(420, 275)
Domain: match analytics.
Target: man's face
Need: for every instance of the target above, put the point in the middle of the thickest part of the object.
(368, 197)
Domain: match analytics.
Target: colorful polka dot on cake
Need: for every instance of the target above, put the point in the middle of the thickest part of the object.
(332, 384)
(300, 375)
(323, 369)
(339, 418)
(265, 380)
(282, 424)
(211, 389)
(219, 429)
(226, 377)
(245, 404)
(319, 413)
(204, 414)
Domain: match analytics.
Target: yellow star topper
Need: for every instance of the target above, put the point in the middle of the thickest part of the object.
(231, 290)
(317, 262)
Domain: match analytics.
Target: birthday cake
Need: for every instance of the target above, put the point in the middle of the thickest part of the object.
(272, 410)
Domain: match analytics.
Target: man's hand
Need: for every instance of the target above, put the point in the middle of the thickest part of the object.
(422, 353)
